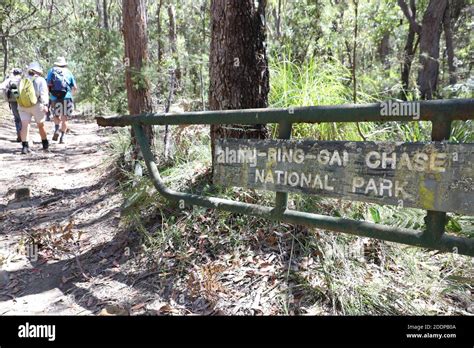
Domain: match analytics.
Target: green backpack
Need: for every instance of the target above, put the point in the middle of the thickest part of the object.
(27, 97)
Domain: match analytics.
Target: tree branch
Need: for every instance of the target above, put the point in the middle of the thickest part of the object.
(407, 11)
(39, 28)
(28, 15)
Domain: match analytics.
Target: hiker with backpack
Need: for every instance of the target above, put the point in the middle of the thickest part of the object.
(33, 101)
(10, 90)
(62, 85)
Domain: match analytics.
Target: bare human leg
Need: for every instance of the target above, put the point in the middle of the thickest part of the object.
(25, 130)
(42, 131)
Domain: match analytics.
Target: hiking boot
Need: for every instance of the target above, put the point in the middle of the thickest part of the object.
(56, 136)
(26, 149)
(18, 139)
(45, 143)
(63, 138)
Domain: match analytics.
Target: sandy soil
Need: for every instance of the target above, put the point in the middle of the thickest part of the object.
(59, 245)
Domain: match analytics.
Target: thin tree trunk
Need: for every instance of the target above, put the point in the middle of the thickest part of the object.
(172, 41)
(278, 20)
(449, 44)
(348, 55)
(98, 8)
(354, 52)
(158, 30)
(167, 137)
(408, 54)
(106, 15)
(429, 48)
(136, 52)
(50, 15)
(5, 54)
(201, 74)
(384, 49)
(239, 77)
(354, 62)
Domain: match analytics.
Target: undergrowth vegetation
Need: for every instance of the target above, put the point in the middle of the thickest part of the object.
(223, 259)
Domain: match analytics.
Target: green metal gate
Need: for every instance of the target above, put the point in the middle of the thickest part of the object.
(440, 113)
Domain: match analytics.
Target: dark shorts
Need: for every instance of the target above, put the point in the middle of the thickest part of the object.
(62, 108)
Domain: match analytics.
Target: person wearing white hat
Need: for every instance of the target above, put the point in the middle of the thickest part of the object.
(33, 102)
(60, 61)
(62, 85)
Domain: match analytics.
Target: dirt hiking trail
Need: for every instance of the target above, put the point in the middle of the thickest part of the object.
(60, 246)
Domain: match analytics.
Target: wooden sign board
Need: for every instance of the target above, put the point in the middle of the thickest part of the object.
(432, 176)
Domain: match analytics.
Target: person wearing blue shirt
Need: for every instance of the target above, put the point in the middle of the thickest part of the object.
(62, 85)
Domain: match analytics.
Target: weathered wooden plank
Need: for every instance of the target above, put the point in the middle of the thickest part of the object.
(434, 176)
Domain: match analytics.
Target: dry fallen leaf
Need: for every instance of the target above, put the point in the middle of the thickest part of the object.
(137, 307)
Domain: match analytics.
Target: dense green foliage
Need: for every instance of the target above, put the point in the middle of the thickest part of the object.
(310, 44)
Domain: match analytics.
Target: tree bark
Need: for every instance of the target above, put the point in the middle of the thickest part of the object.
(201, 74)
(239, 77)
(158, 30)
(449, 44)
(277, 14)
(429, 48)
(136, 55)
(98, 8)
(410, 14)
(106, 14)
(408, 53)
